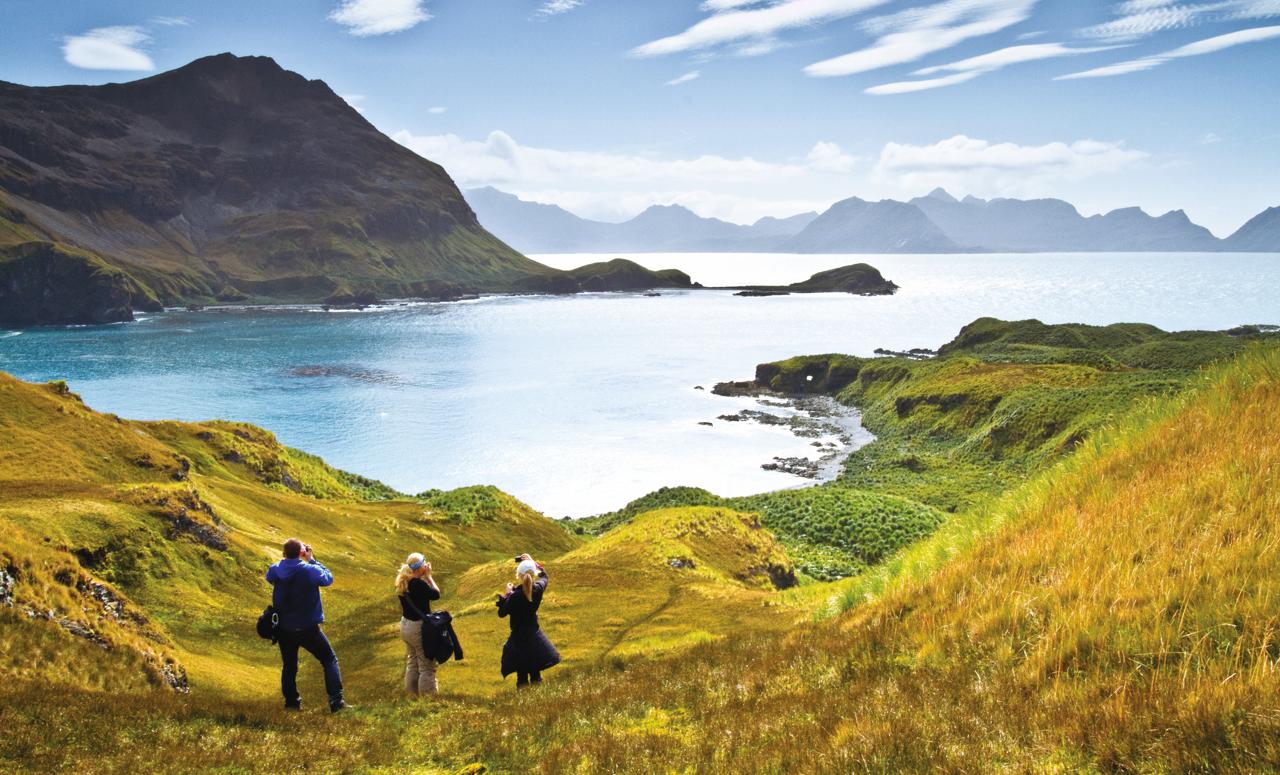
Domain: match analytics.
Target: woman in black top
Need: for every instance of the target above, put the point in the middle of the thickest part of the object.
(528, 651)
(417, 589)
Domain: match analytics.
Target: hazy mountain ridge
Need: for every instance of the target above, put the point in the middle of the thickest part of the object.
(542, 228)
(936, 223)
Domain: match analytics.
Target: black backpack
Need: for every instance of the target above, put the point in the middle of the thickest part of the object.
(269, 624)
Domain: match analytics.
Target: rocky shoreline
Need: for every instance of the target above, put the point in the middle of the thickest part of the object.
(834, 430)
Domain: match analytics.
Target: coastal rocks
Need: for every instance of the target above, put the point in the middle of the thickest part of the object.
(747, 388)
(345, 297)
(750, 294)
(915, 353)
(8, 580)
(50, 283)
(835, 429)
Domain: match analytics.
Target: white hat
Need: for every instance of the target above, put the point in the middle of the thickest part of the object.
(526, 566)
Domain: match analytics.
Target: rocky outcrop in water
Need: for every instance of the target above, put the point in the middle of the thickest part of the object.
(859, 279)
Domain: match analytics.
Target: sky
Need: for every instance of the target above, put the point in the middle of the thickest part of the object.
(739, 109)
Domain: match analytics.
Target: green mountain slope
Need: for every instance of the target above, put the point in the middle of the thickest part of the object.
(230, 178)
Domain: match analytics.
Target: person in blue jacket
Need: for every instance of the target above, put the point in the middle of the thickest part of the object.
(296, 596)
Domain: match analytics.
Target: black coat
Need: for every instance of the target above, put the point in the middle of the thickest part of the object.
(439, 641)
(527, 649)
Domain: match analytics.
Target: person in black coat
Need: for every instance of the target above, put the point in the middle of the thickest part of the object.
(528, 651)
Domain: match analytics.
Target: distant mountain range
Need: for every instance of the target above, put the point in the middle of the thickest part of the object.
(936, 223)
(540, 228)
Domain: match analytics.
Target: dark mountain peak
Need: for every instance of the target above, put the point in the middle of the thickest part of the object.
(941, 194)
(221, 82)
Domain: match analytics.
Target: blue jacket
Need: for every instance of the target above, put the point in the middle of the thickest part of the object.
(297, 592)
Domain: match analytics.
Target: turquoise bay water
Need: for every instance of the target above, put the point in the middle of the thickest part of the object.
(578, 404)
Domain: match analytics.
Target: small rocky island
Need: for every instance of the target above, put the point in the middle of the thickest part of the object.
(621, 274)
(859, 279)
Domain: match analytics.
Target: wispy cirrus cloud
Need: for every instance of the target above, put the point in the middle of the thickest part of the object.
(916, 32)
(365, 18)
(1141, 18)
(968, 69)
(1198, 48)
(109, 48)
(906, 87)
(692, 75)
(744, 22)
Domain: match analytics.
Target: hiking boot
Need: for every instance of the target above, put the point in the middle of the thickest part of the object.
(338, 705)
(294, 705)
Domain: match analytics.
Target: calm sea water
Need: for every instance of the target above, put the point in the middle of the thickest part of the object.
(578, 404)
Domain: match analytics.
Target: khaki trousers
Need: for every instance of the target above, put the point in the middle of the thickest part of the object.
(419, 669)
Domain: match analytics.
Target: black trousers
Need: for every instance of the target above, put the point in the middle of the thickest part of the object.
(524, 679)
(314, 641)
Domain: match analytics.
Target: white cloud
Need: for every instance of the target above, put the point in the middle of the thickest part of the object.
(611, 185)
(1140, 18)
(354, 100)
(109, 48)
(692, 75)
(170, 21)
(556, 7)
(968, 69)
(904, 87)
(735, 22)
(1210, 138)
(437, 110)
(1001, 58)
(830, 157)
(379, 17)
(968, 164)
(1198, 48)
(911, 34)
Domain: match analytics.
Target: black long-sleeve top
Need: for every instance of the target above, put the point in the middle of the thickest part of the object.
(421, 593)
(523, 613)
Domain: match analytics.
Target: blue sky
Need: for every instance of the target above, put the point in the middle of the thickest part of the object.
(739, 109)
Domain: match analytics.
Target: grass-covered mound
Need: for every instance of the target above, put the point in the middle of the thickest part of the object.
(621, 274)
(829, 532)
